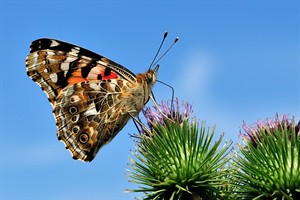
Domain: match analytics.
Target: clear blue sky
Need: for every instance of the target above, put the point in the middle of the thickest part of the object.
(235, 61)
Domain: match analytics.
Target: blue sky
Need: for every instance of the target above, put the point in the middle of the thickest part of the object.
(235, 61)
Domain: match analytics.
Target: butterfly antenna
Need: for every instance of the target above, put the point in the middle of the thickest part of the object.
(176, 40)
(162, 42)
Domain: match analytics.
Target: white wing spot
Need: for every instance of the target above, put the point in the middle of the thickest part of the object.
(64, 66)
(91, 111)
(103, 63)
(75, 50)
(70, 59)
(86, 58)
(50, 53)
(54, 43)
(94, 73)
(94, 86)
(53, 77)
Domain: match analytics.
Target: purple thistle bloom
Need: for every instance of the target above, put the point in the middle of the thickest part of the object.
(174, 111)
(269, 126)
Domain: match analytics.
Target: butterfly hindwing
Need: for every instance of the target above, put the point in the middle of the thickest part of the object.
(90, 114)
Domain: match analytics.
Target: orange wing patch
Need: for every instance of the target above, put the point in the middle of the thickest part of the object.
(76, 77)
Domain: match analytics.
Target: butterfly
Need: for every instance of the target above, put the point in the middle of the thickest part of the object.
(92, 96)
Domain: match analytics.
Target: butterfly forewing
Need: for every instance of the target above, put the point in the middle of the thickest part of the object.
(92, 96)
(55, 64)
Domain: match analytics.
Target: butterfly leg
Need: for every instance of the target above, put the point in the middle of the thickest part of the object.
(137, 121)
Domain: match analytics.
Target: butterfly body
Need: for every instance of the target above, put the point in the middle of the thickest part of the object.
(92, 97)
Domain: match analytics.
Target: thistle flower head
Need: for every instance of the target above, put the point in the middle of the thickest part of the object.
(268, 127)
(168, 110)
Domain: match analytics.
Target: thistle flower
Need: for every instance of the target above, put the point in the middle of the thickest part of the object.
(179, 160)
(269, 167)
(168, 111)
(252, 133)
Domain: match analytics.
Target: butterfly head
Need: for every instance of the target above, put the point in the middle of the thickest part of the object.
(151, 76)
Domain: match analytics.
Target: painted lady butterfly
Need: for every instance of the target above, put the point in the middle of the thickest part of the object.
(92, 97)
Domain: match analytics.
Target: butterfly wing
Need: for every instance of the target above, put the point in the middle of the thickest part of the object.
(84, 89)
(54, 65)
(92, 96)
